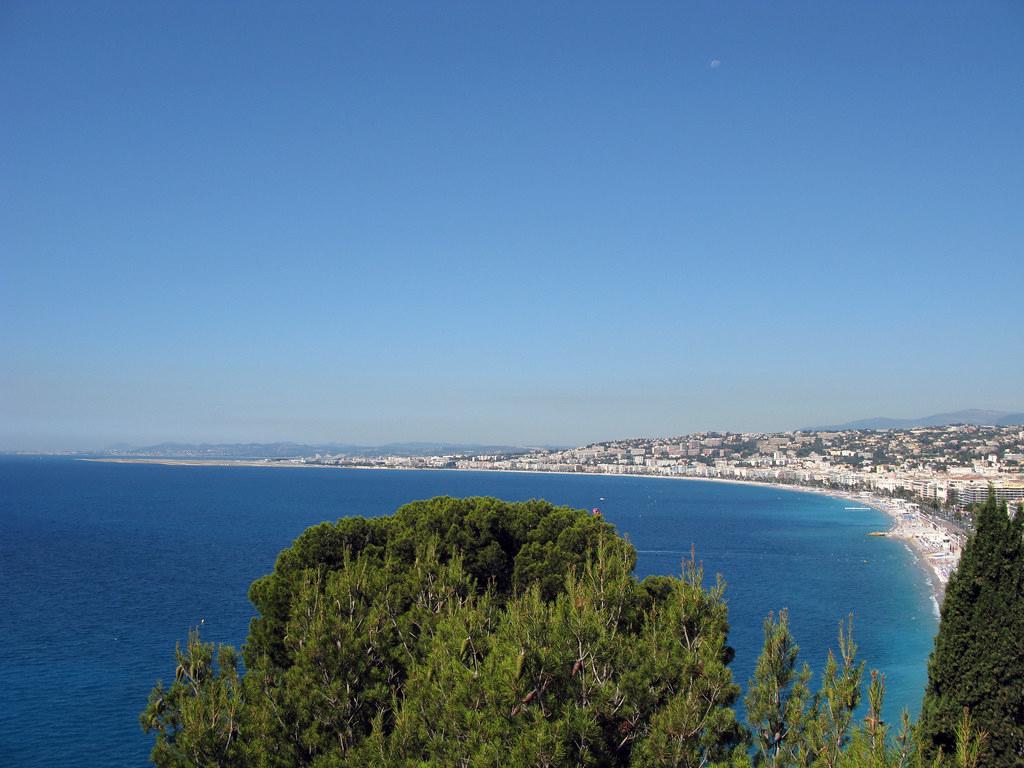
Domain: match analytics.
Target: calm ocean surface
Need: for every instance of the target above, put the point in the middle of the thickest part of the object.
(104, 566)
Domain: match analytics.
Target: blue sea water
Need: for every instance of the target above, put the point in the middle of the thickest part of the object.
(103, 567)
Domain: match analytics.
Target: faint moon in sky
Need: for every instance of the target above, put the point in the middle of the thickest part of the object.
(716, 63)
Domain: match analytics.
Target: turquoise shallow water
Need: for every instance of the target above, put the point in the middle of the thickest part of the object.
(104, 566)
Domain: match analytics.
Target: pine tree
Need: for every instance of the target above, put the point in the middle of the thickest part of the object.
(830, 718)
(978, 660)
(777, 696)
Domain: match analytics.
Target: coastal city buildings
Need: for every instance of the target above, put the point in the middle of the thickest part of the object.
(941, 467)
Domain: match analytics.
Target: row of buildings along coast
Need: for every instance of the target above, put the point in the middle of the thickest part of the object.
(945, 467)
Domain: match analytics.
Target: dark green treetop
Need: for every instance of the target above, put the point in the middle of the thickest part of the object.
(467, 631)
(475, 632)
(978, 660)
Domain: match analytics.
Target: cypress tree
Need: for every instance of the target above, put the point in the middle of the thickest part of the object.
(978, 660)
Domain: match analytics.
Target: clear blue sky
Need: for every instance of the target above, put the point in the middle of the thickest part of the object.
(538, 223)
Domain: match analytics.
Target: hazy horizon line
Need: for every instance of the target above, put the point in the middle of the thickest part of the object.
(128, 445)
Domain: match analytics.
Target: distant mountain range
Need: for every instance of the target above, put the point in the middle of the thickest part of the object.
(284, 450)
(970, 416)
(288, 450)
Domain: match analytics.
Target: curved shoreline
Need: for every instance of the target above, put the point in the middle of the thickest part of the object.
(933, 577)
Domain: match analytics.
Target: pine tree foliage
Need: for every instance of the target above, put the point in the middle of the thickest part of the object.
(203, 708)
(464, 632)
(778, 696)
(474, 632)
(831, 713)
